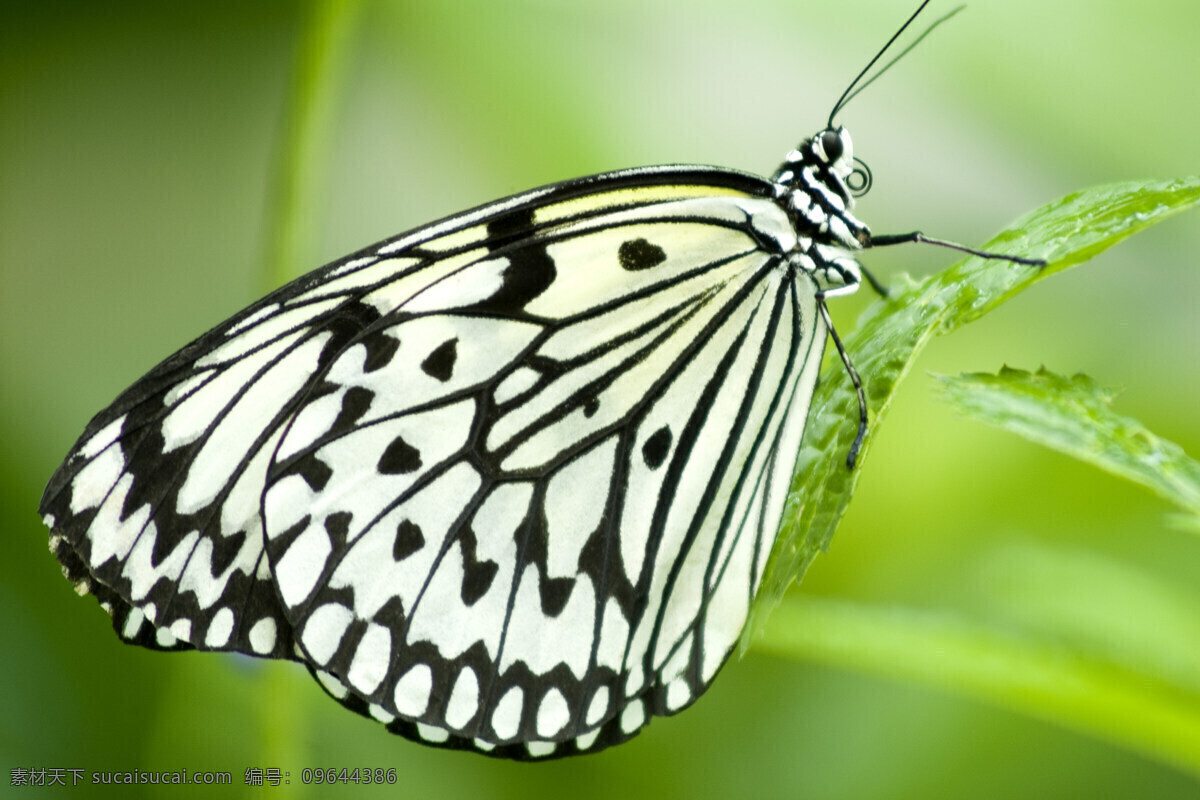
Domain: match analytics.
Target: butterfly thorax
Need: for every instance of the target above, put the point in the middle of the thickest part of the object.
(813, 186)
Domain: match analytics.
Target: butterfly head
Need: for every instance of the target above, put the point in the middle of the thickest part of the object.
(834, 148)
(818, 183)
(826, 159)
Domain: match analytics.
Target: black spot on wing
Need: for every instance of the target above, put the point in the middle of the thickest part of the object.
(399, 458)
(529, 273)
(409, 540)
(478, 573)
(225, 549)
(639, 254)
(440, 363)
(337, 525)
(315, 472)
(530, 270)
(355, 403)
(554, 594)
(381, 349)
(507, 228)
(591, 406)
(655, 449)
(477, 580)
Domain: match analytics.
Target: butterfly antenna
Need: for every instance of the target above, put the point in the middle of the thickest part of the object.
(852, 92)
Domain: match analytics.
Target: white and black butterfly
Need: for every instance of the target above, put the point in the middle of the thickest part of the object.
(507, 482)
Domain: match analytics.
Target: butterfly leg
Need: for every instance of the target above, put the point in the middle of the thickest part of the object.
(879, 288)
(852, 456)
(917, 236)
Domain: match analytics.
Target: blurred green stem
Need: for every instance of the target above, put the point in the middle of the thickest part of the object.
(297, 177)
(301, 156)
(1042, 678)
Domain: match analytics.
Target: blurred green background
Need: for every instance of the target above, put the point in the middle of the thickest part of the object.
(137, 143)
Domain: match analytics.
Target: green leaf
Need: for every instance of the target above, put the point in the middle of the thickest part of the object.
(892, 333)
(1075, 416)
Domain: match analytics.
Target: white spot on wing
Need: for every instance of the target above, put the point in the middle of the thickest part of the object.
(371, 659)
(299, 568)
(185, 387)
(220, 628)
(633, 717)
(324, 630)
(540, 749)
(598, 708)
(262, 635)
(635, 680)
(678, 694)
(587, 740)
(164, 637)
(614, 636)
(411, 696)
(286, 502)
(464, 699)
(553, 714)
(332, 684)
(133, 623)
(506, 718)
(432, 733)
(380, 713)
(103, 438)
(91, 484)
(181, 629)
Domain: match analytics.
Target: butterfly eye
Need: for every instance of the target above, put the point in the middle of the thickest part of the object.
(831, 143)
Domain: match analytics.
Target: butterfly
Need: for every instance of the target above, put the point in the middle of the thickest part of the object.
(506, 482)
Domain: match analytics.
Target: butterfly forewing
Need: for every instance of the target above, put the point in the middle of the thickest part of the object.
(506, 483)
